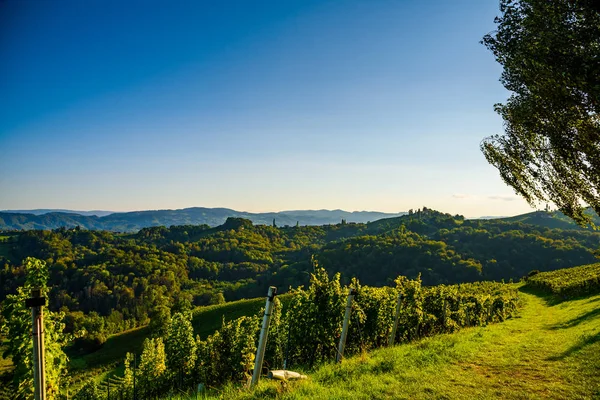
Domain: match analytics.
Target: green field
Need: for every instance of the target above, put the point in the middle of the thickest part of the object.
(550, 351)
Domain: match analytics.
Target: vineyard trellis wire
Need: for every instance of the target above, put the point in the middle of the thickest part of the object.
(308, 332)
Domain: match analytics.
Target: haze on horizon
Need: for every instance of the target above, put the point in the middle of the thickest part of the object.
(254, 106)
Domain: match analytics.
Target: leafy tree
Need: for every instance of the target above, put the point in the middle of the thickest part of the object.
(551, 147)
(180, 345)
(160, 320)
(127, 383)
(152, 368)
(89, 391)
(217, 298)
(16, 327)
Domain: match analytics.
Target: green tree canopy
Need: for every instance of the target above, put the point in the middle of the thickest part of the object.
(180, 344)
(152, 368)
(550, 151)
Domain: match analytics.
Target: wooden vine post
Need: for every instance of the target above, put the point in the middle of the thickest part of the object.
(340, 353)
(264, 333)
(392, 339)
(36, 302)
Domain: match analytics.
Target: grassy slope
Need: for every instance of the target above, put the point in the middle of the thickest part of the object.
(554, 219)
(106, 360)
(549, 351)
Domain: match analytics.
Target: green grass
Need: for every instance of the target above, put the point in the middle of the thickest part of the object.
(550, 351)
(208, 319)
(107, 360)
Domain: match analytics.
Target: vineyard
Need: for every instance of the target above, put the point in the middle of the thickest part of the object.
(304, 334)
(205, 321)
(569, 282)
(549, 351)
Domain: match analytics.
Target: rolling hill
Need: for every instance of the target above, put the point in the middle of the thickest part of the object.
(552, 219)
(136, 220)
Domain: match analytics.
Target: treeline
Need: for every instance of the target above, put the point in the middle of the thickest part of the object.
(106, 282)
(306, 333)
(136, 220)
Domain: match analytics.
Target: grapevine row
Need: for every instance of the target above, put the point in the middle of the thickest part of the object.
(569, 282)
(308, 332)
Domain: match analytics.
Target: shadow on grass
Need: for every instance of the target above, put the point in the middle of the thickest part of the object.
(594, 300)
(113, 350)
(588, 316)
(552, 299)
(587, 341)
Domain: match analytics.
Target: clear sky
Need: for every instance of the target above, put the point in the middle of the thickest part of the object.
(257, 106)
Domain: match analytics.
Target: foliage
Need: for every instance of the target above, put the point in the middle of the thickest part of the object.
(107, 283)
(89, 391)
(372, 317)
(551, 148)
(16, 327)
(228, 354)
(180, 346)
(152, 368)
(312, 325)
(558, 346)
(128, 371)
(275, 349)
(569, 282)
(314, 319)
(411, 308)
(160, 320)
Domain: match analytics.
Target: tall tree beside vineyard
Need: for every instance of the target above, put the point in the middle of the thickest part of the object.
(152, 369)
(550, 151)
(89, 391)
(180, 346)
(16, 327)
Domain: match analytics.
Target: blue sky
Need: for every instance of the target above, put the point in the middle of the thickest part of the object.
(256, 106)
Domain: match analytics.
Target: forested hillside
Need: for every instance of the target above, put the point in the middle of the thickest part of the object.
(107, 282)
(135, 220)
(553, 219)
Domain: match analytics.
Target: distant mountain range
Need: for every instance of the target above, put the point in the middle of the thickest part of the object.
(41, 211)
(136, 220)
